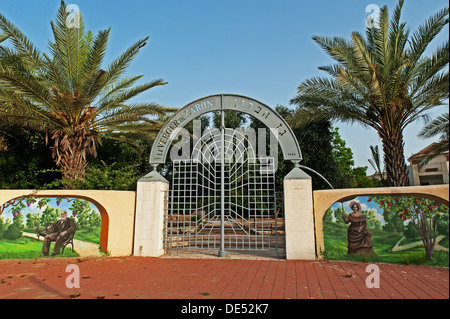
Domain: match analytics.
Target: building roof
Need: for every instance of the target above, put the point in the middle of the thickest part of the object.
(423, 152)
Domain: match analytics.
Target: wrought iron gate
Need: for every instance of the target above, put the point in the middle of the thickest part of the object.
(223, 198)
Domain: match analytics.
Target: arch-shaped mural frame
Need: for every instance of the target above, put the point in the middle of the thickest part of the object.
(267, 115)
(323, 199)
(116, 209)
(101, 209)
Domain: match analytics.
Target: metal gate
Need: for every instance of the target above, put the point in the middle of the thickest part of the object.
(223, 198)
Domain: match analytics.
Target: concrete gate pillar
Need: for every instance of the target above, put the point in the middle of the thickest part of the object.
(299, 215)
(151, 200)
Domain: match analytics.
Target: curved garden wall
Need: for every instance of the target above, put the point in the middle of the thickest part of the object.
(115, 207)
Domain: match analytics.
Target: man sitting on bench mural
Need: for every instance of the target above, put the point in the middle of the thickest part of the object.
(58, 232)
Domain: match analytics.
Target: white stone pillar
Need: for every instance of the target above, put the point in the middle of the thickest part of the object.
(299, 216)
(151, 200)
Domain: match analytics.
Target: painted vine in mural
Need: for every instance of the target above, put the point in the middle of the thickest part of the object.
(21, 218)
(405, 229)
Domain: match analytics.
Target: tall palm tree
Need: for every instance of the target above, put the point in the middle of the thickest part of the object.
(68, 94)
(383, 81)
(439, 126)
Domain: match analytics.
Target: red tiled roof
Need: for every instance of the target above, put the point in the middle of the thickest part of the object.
(421, 153)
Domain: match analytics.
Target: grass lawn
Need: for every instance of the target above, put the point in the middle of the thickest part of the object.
(90, 235)
(26, 248)
(335, 238)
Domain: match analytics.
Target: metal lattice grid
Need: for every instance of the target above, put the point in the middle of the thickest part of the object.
(250, 212)
(193, 218)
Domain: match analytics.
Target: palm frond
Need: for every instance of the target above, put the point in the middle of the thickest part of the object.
(123, 96)
(439, 126)
(3, 37)
(119, 65)
(30, 54)
(70, 47)
(425, 33)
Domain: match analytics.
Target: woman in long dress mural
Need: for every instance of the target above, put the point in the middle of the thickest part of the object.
(358, 235)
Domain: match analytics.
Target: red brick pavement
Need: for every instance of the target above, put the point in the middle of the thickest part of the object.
(173, 278)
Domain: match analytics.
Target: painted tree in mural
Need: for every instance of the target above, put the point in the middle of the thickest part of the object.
(383, 81)
(69, 95)
(84, 215)
(424, 214)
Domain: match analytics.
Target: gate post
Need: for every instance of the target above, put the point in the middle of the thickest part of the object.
(151, 200)
(299, 216)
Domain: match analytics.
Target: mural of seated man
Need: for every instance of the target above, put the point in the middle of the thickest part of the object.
(58, 232)
(358, 235)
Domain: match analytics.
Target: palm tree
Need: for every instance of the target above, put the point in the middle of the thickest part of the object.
(439, 126)
(383, 81)
(68, 94)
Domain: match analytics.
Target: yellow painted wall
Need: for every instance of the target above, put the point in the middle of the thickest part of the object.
(116, 209)
(323, 200)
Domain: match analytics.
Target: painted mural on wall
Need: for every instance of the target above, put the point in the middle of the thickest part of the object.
(398, 229)
(40, 227)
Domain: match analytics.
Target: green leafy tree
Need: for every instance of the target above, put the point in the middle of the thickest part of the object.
(392, 222)
(411, 232)
(372, 220)
(232, 119)
(85, 216)
(315, 140)
(18, 220)
(107, 177)
(361, 179)
(338, 215)
(81, 210)
(3, 226)
(33, 220)
(383, 81)
(95, 219)
(423, 213)
(328, 216)
(343, 156)
(69, 95)
(49, 215)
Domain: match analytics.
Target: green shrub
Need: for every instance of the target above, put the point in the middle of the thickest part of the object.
(13, 232)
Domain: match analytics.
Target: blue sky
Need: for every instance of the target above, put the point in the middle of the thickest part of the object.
(262, 49)
(365, 205)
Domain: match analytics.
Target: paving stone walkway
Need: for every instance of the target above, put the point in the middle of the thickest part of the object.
(214, 278)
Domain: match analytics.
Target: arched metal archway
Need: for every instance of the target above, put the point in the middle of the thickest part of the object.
(222, 102)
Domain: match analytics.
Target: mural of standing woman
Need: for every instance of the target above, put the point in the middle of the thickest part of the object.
(358, 235)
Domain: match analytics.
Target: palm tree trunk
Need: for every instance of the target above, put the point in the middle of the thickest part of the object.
(72, 167)
(70, 150)
(394, 159)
